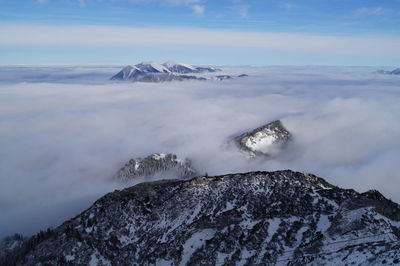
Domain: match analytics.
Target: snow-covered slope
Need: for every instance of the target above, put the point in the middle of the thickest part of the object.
(267, 140)
(179, 67)
(165, 165)
(152, 67)
(256, 218)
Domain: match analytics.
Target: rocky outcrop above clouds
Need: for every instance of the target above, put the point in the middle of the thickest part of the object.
(265, 141)
(156, 165)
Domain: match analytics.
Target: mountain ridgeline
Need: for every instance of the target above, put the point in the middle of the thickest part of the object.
(255, 218)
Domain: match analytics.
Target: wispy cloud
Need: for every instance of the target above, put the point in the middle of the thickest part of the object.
(169, 2)
(289, 5)
(183, 2)
(41, 1)
(243, 10)
(198, 9)
(370, 11)
(62, 142)
(82, 3)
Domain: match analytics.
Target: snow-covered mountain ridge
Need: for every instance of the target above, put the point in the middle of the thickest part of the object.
(255, 218)
(155, 72)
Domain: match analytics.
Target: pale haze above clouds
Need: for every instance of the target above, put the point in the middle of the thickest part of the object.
(213, 45)
(64, 131)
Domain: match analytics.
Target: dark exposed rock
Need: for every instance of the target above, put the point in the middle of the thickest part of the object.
(256, 218)
(389, 72)
(222, 77)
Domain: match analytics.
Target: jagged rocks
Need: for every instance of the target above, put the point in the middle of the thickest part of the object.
(256, 218)
(390, 72)
(11, 243)
(223, 77)
(156, 165)
(265, 141)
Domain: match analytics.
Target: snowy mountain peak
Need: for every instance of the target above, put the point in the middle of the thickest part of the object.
(155, 72)
(179, 67)
(267, 140)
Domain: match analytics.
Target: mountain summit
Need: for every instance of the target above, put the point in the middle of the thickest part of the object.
(264, 141)
(256, 218)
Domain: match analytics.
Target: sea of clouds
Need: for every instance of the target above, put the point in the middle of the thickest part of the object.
(65, 131)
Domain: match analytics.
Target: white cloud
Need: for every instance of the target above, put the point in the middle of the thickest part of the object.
(41, 1)
(289, 5)
(198, 9)
(82, 3)
(365, 11)
(243, 10)
(61, 141)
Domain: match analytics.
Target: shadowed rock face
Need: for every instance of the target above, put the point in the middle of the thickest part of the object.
(265, 141)
(256, 218)
(156, 164)
(390, 72)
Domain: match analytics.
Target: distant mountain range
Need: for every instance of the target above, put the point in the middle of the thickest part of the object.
(169, 71)
(255, 218)
(390, 72)
(154, 72)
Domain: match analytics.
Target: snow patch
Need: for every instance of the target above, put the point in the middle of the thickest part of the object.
(195, 242)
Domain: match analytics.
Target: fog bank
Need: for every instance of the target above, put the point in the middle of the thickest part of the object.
(64, 133)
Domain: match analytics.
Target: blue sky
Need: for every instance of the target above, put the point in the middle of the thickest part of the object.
(343, 21)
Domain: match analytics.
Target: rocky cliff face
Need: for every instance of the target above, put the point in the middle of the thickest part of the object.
(265, 141)
(256, 218)
(165, 165)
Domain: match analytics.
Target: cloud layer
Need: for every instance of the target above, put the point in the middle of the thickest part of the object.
(62, 138)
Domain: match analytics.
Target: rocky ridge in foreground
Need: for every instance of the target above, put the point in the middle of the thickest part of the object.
(256, 218)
